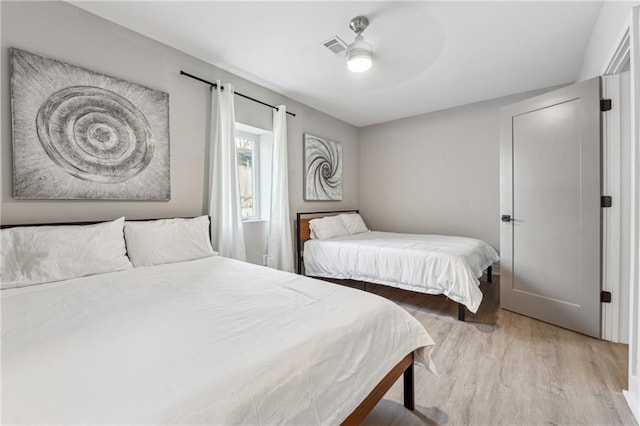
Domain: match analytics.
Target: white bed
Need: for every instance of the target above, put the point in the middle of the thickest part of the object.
(208, 341)
(431, 264)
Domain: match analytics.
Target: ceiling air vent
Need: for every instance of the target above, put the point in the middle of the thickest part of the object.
(335, 45)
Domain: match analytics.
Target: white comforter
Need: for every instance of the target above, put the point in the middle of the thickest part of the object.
(210, 341)
(433, 264)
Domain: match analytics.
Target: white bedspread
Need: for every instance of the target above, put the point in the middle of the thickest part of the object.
(433, 264)
(209, 341)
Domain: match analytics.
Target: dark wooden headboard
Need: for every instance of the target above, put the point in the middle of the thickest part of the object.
(19, 225)
(93, 222)
(89, 222)
(303, 232)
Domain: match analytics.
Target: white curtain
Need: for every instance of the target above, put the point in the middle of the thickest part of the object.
(279, 247)
(224, 200)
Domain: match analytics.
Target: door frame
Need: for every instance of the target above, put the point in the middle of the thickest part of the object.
(611, 185)
(611, 217)
(629, 38)
(633, 394)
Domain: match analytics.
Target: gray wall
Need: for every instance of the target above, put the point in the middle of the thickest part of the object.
(63, 32)
(435, 173)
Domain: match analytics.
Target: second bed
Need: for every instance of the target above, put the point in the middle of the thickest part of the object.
(424, 263)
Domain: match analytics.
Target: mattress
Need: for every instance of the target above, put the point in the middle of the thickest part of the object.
(432, 264)
(210, 341)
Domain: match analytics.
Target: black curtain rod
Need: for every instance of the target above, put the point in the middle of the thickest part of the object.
(236, 93)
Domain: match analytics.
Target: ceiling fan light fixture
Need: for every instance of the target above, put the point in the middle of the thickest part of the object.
(359, 53)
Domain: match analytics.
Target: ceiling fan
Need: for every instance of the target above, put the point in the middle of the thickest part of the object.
(359, 53)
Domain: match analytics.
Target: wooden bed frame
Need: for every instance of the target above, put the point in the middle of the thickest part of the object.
(303, 233)
(403, 368)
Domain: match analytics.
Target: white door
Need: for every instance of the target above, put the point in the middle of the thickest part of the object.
(550, 206)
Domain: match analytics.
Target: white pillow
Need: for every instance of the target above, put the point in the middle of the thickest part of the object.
(39, 254)
(354, 223)
(327, 227)
(155, 242)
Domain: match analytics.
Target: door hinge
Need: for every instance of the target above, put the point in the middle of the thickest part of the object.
(605, 296)
(605, 104)
(605, 201)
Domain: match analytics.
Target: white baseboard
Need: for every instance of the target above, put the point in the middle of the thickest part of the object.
(633, 401)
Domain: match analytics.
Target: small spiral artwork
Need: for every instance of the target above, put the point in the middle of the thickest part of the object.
(323, 169)
(83, 135)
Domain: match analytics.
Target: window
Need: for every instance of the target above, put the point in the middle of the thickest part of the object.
(247, 147)
(253, 147)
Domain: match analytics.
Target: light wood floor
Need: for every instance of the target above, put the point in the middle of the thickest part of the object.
(504, 368)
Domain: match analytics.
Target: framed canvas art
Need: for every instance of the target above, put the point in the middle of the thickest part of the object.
(323, 169)
(78, 134)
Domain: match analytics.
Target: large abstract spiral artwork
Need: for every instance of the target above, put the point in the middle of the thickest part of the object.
(323, 169)
(94, 134)
(82, 135)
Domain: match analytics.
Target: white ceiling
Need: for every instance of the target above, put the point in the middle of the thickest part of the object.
(428, 55)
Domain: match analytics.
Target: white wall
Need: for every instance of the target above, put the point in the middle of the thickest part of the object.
(61, 31)
(435, 173)
(609, 24)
